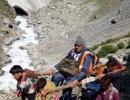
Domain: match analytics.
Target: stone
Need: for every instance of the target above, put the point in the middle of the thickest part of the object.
(113, 21)
(1, 72)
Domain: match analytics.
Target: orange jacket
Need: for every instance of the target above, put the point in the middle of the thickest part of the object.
(82, 62)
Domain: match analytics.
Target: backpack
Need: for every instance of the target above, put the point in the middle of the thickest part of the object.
(69, 67)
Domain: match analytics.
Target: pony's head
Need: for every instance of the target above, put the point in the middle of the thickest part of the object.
(113, 64)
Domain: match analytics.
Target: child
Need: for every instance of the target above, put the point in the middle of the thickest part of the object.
(107, 91)
(26, 83)
(44, 88)
(115, 66)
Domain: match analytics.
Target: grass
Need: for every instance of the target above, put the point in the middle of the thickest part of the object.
(103, 3)
(94, 47)
(120, 45)
(110, 41)
(107, 49)
(88, 1)
(2, 6)
(4, 9)
(100, 2)
(128, 45)
(127, 35)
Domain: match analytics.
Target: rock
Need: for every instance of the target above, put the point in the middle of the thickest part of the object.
(21, 47)
(8, 60)
(8, 10)
(10, 26)
(39, 22)
(6, 21)
(113, 21)
(7, 55)
(1, 72)
(17, 23)
(9, 41)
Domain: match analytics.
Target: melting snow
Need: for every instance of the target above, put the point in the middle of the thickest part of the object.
(17, 55)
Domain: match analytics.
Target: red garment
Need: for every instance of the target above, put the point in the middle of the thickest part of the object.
(111, 94)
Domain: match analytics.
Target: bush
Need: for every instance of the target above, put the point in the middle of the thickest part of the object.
(6, 10)
(128, 45)
(107, 49)
(3, 6)
(120, 45)
(94, 47)
(127, 35)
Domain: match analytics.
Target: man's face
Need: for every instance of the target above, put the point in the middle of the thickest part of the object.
(78, 48)
(17, 76)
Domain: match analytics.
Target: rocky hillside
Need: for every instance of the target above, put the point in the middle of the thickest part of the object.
(62, 20)
(6, 28)
(6, 10)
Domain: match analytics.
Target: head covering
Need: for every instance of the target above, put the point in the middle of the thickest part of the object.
(112, 61)
(79, 41)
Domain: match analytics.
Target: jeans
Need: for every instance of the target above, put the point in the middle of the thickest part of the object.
(25, 96)
(88, 94)
(57, 78)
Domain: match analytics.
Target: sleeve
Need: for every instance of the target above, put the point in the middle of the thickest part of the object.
(86, 65)
(98, 97)
(115, 75)
(116, 96)
(69, 54)
(57, 66)
(30, 73)
(27, 74)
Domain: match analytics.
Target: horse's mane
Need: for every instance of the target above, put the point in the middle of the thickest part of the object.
(100, 69)
(112, 61)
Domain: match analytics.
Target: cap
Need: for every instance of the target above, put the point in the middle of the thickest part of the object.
(80, 41)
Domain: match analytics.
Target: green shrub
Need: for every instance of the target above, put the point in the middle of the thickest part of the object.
(2, 6)
(108, 41)
(128, 45)
(6, 10)
(112, 40)
(127, 35)
(94, 47)
(87, 1)
(107, 49)
(120, 45)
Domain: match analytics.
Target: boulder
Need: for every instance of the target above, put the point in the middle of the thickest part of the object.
(1, 72)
